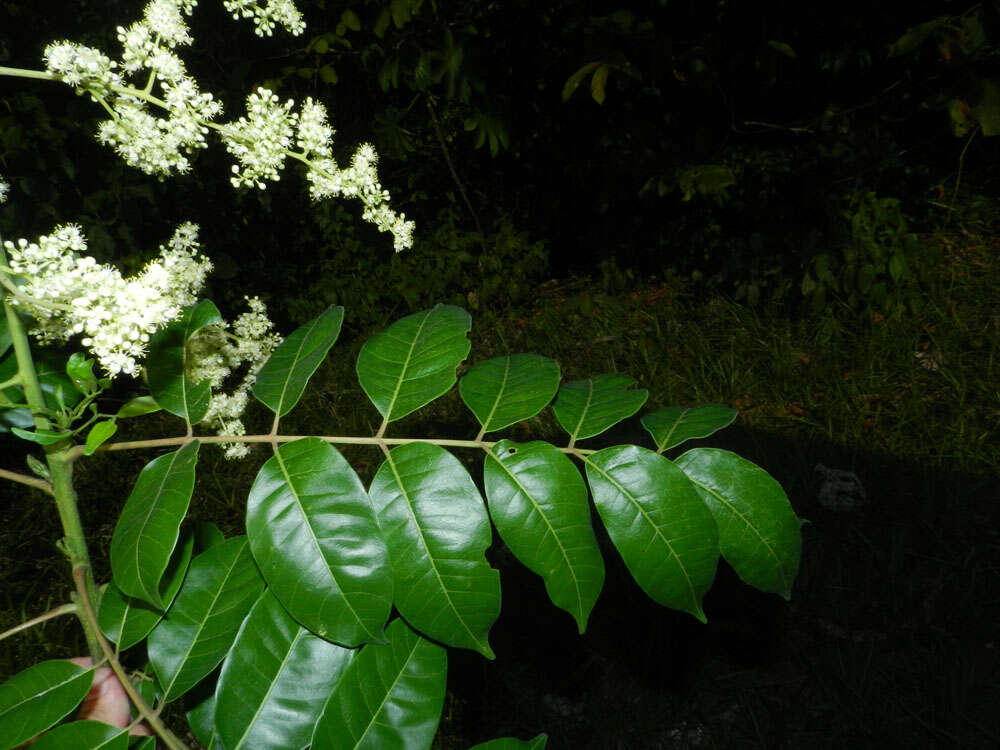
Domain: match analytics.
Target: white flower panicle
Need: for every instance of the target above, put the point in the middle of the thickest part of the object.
(360, 180)
(70, 294)
(218, 351)
(266, 15)
(260, 141)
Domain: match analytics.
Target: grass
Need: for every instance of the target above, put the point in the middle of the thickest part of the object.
(890, 637)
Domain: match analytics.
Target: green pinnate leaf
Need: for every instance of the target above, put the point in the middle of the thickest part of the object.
(99, 434)
(283, 377)
(166, 360)
(413, 361)
(275, 681)
(35, 699)
(315, 538)
(586, 408)
(390, 695)
(758, 530)
(505, 390)
(201, 719)
(673, 425)
(658, 523)
(126, 621)
(437, 531)
(538, 502)
(221, 586)
(83, 735)
(149, 526)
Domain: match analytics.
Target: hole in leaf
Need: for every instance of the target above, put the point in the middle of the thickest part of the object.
(511, 451)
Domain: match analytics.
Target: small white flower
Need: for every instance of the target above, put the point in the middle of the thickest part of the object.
(268, 13)
(4, 189)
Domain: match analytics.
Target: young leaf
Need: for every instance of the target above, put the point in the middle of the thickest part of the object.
(758, 530)
(35, 699)
(434, 523)
(283, 377)
(390, 695)
(673, 425)
(510, 743)
(586, 408)
(99, 434)
(538, 502)
(598, 83)
(413, 361)
(221, 586)
(81, 372)
(137, 407)
(83, 735)
(165, 365)
(573, 82)
(275, 681)
(149, 525)
(42, 437)
(318, 546)
(664, 532)
(126, 621)
(505, 390)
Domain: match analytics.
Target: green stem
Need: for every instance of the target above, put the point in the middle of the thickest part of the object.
(60, 464)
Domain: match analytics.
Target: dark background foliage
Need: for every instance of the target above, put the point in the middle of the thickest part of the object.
(734, 142)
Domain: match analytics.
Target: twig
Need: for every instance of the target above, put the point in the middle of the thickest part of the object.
(454, 174)
(38, 484)
(65, 609)
(153, 717)
(961, 165)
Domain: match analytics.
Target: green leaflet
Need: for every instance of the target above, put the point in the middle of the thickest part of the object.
(35, 699)
(275, 681)
(201, 719)
(190, 641)
(165, 364)
(315, 538)
(283, 377)
(126, 621)
(538, 502)
(413, 361)
(758, 530)
(505, 390)
(510, 743)
(673, 425)
(83, 735)
(149, 526)
(437, 531)
(664, 532)
(586, 408)
(390, 696)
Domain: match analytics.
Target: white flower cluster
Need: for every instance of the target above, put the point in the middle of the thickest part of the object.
(69, 294)
(4, 189)
(360, 180)
(157, 145)
(268, 14)
(260, 140)
(217, 351)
